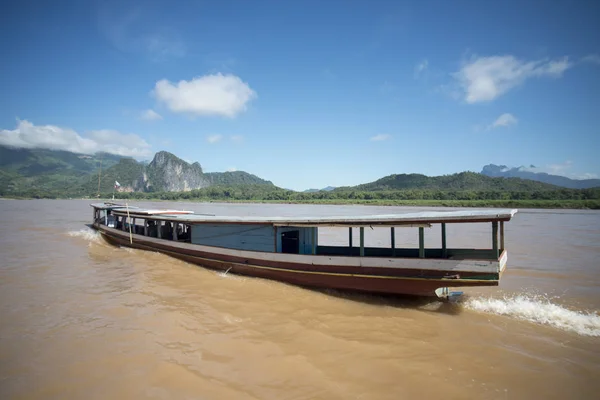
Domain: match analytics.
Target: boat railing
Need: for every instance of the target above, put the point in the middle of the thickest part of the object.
(456, 254)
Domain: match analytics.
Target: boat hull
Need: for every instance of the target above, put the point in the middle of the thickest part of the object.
(400, 281)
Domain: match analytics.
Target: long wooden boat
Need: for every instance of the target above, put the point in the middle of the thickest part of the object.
(287, 249)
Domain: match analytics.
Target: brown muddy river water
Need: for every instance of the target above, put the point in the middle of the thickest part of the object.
(81, 319)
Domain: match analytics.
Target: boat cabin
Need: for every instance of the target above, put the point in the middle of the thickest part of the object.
(300, 235)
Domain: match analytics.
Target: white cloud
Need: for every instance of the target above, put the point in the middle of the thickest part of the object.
(420, 67)
(28, 135)
(237, 139)
(214, 138)
(225, 95)
(150, 115)
(486, 78)
(505, 120)
(232, 169)
(380, 137)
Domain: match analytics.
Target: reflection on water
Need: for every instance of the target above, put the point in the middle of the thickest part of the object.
(84, 319)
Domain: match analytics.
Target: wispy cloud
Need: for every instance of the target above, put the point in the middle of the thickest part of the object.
(237, 139)
(220, 61)
(327, 73)
(224, 95)
(231, 169)
(386, 87)
(214, 138)
(562, 169)
(28, 135)
(505, 120)
(420, 68)
(592, 58)
(150, 115)
(139, 30)
(484, 79)
(381, 137)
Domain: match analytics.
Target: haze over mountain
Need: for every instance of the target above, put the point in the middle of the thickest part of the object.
(529, 173)
(325, 189)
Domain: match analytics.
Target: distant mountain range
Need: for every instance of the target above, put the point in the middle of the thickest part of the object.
(31, 172)
(325, 189)
(503, 171)
(456, 182)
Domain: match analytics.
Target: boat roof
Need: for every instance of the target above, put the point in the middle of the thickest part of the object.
(412, 218)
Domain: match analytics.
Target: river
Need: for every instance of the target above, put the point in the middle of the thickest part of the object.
(81, 319)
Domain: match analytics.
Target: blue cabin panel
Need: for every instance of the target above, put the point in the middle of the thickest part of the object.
(256, 237)
(231, 236)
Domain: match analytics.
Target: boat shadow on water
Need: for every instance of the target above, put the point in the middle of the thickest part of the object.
(417, 303)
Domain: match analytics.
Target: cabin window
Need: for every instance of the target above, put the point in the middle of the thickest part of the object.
(290, 242)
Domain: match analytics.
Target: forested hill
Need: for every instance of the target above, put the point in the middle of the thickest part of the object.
(456, 182)
(233, 178)
(42, 172)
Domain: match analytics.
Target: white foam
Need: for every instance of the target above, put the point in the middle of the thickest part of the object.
(228, 275)
(87, 234)
(540, 310)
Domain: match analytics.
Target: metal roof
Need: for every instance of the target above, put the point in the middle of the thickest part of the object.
(425, 217)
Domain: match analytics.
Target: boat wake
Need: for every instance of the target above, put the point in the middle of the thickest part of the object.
(87, 234)
(540, 310)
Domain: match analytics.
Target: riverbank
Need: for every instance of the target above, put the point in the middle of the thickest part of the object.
(541, 204)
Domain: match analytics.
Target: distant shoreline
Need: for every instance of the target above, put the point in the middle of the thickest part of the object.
(541, 204)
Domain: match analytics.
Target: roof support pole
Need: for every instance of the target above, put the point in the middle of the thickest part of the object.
(495, 239)
(362, 241)
(313, 233)
(421, 242)
(175, 226)
(444, 249)
(350, 239)
(274, 239)
(501, 235)
(393, 233)
(146, 227)
(159, 229)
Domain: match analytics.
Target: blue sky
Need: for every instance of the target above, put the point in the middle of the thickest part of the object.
(312, 93)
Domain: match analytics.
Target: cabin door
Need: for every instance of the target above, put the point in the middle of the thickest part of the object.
(290, 242)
